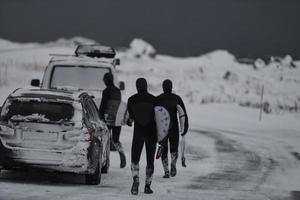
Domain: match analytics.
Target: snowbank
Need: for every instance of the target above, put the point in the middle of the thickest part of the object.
(6, 45)
(139, 48)
(215, 77)
(71, 42)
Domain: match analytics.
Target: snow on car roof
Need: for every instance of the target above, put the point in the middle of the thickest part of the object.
(82, 59)
(51, 94)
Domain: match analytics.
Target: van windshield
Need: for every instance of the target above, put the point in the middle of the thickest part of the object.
(37, 111)
(78, 77)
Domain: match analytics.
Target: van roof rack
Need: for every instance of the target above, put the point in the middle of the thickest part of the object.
(95, 50)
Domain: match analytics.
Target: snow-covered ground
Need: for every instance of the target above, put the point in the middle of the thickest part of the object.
(200, 80)
(230, 153)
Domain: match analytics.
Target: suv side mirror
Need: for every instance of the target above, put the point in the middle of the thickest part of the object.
(122, 85)
(117, 61)
(35, 82)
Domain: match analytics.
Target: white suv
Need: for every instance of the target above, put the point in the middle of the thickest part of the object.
(54, 130)
(84, 71)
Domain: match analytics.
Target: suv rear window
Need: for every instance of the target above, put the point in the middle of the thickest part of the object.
(17, 110)
(78, 77)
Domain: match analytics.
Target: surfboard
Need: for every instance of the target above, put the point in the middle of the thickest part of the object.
(115, 114)
(182, 151)
(162, 119)
(125, 117)
(181, 116)
(122, 115)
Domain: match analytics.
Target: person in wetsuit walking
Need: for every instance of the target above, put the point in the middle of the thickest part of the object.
(170, 101)
(141, 111)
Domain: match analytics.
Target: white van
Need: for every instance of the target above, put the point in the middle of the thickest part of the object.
(79, 72)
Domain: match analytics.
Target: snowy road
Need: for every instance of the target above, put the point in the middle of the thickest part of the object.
(230, 153)
(218, 168)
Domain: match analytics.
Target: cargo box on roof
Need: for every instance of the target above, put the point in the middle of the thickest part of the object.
(95, 50)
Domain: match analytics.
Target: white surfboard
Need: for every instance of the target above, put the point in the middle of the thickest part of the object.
(181, 116)
(182, 151)
(122, 115)
(116, 113)
(162, 119)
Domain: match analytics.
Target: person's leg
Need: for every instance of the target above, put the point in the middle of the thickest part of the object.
(116, 134)
(116, 130)
(164, 158)
(112, 144)
(150, 152)
(136, 150)
(174, 142)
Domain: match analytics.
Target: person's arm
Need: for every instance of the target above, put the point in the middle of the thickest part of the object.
(129, 110)
(119, 94)
(103, 104)
(186, 122)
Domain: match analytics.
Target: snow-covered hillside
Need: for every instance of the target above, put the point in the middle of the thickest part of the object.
(215, 77)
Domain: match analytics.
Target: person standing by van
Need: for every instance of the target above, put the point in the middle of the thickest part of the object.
(111, 99)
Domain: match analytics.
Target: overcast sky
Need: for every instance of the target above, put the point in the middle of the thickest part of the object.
(177, 27)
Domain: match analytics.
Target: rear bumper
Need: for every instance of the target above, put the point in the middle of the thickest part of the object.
(74, 160)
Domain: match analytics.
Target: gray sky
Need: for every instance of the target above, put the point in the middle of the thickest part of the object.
(183, 28)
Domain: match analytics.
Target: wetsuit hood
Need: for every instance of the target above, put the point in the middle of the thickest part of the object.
(167, 86)
(108, 79)
(141, 85)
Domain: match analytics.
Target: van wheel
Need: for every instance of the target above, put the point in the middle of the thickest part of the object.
(105, 168)
(95, 178)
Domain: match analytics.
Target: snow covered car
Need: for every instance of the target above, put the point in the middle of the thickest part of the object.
(56, 131)
(84, 71)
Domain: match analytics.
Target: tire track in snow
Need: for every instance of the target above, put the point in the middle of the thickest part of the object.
(238, 168)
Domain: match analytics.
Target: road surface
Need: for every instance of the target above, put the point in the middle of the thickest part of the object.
(218, 168)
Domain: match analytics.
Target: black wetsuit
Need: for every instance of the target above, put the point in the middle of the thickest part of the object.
(144, 129)
(111, 92)
(141, 110)
(111, 99)
(170, 101)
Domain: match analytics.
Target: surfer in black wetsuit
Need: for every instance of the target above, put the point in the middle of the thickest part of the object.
(111, 99)
(141, 111)
(170, 101)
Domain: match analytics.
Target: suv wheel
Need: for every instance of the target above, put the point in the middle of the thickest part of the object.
(95, 178)
(105, 168)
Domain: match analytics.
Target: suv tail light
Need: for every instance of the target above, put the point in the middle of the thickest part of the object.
(90, 132)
